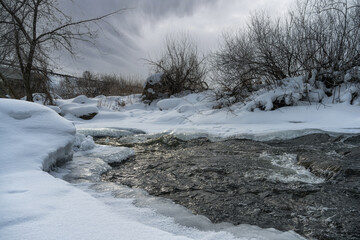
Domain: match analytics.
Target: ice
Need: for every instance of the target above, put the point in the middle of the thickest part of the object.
(111, 154)
(83, 143)
(91, 160)
(35, 205)
(155, 211)
(109, 132)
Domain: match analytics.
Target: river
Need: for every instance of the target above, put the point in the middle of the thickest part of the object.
(308, 184)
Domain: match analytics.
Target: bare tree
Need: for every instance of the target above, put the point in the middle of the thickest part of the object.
(181, 64)
(34, 28)
(329, 32)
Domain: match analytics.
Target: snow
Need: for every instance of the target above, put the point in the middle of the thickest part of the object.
(170, 103)
(36, 205)
(154, 79)
(193, 116)
(77, 107)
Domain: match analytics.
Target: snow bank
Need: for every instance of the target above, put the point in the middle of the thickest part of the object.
(170, 103)
(35, 205)
(80, 107)
(32, 136)
(194, 116)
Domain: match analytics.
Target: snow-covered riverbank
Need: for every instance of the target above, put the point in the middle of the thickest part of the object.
(194, 114)
(35, 205)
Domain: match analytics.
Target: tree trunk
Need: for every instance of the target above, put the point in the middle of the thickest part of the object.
(27, 85)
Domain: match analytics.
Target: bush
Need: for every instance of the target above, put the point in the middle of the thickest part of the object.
(320, 40)
(92, 85)
(181, 66)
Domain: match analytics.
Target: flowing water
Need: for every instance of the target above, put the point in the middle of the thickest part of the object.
(308, 184)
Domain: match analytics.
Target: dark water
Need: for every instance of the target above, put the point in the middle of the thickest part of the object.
(308, 184)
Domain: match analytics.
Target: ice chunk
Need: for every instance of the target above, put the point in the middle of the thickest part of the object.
(83, 143)
(108, 132)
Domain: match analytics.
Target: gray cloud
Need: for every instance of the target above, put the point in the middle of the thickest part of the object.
(138, 32)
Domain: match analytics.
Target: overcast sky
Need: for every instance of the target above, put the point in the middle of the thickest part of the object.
(139, 32)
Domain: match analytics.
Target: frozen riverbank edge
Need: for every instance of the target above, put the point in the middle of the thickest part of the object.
(35, 205)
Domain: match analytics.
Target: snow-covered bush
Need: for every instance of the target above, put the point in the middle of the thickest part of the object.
(319, 39)
(155, 88)
(294, 91)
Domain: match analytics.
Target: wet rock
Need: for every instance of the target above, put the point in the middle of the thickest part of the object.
(355, 140)
(321, 165)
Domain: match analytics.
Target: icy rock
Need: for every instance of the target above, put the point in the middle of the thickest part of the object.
(78, 110)
(154, 88)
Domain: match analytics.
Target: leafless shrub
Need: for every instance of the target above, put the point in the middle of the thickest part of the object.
(319, 39)
(181, 64)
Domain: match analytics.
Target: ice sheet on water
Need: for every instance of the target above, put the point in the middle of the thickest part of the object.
(83, 169)
(188, 223)
(87, 166)
(109, 132)
(282, 135)
(141, 138)
(111, 154)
